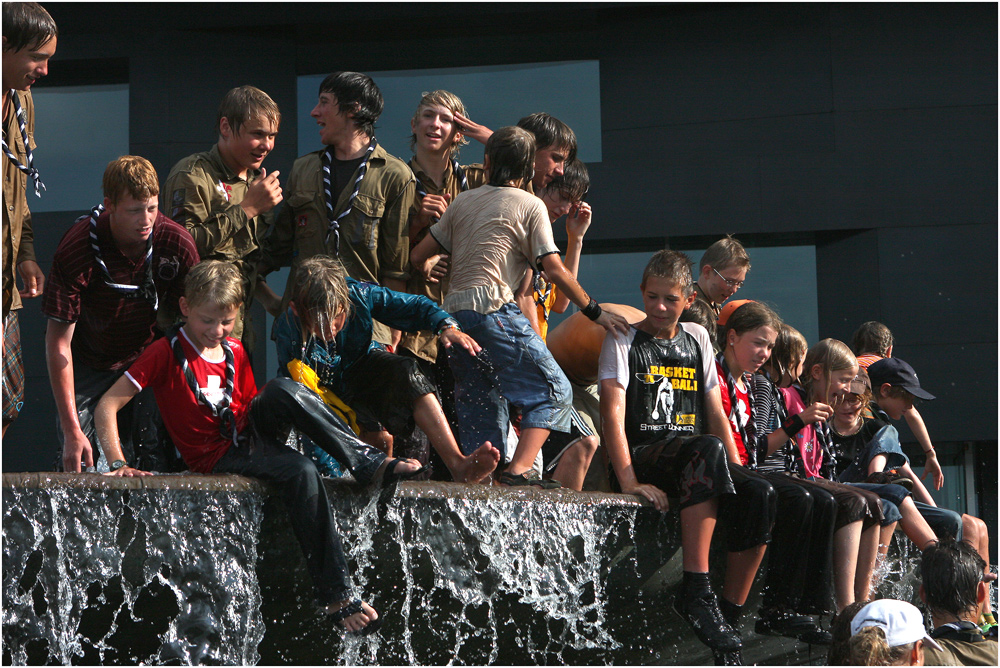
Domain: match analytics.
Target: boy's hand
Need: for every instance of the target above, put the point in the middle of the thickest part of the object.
(473, 130)
(656, 495)
(432, 207)
(933, 467)
(610, 321)
(429, 268)
(263, 194)
(76, 449)
(33, 278)
(440, 268)
(816, 412)
(453, 336)
(578, 220)
(127, 472)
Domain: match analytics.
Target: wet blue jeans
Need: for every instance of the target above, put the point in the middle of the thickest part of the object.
(514, 366)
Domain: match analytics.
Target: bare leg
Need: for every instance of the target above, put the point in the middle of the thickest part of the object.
(741, 568)
(915, 526)
(474, 467)
(378, 439)
(573, 464)
(697, 527)
(866, 563)
(920, 492)
(846, 545)
(531, 442)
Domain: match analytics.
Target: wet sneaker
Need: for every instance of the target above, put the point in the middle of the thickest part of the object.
(527, 478)
(704, 616)
(817, 636)
(781, 623)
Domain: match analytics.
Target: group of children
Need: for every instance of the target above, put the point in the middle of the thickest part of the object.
(419, 297)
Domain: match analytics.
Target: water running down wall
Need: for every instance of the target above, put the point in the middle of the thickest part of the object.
(205, 570)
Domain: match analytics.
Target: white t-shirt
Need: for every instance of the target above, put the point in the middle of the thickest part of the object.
(494, 235)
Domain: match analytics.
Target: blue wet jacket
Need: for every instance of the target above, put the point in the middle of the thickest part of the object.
(399, 310)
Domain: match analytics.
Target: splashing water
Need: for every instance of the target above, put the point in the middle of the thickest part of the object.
(167, 575)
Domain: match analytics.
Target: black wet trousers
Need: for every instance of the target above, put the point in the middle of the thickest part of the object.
(281, 404)
(800, 559)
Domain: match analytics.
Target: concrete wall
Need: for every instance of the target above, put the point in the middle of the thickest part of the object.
(869, 130)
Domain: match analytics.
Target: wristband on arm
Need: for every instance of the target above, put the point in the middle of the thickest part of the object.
(592, 310)
(793, 425)
(448, 323)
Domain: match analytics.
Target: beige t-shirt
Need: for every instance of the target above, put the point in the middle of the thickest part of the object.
(494, 234)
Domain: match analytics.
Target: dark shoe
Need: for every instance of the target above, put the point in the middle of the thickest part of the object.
(527, 478)
(817, 637)
(353, 608)
(390, 477)
(728, 658)
(890, 477)
(781, 623)
(704, 616)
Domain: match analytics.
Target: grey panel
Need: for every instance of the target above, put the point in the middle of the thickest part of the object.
(913, 55)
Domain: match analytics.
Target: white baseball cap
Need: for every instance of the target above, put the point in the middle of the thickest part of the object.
(902, 622)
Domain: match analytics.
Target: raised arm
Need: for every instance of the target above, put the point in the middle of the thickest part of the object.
(577, 224)
(106, 422)
(919, 429)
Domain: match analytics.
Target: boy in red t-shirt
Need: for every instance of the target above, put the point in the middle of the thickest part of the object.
(220, 424)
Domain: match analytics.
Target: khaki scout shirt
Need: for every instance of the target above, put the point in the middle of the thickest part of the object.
(425, 344)
(18, 239)
(374, 238)
(205, 196)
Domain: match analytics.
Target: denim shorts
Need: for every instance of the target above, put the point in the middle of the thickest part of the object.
(514, 367)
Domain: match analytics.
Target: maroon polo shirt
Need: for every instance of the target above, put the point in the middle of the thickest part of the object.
(112, 329)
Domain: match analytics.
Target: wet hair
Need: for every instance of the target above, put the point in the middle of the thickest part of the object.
(872, 338)
(868, 647)
(130, 175)
(449, 101)
(214, 283)
(832, 355)
(574, 183)
(357, 95)
(790, 348)
(320, 292)
(550, 132)
(747, 318)
(244, 104)
(26, 25)
(950, 573)
(511, 152)
(673, 266)
(701, 313)
(840, 629)
(724, 253)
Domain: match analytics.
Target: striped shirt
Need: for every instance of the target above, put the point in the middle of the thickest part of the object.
(111, 329)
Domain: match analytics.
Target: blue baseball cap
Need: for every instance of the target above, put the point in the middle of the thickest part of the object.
(897, 373)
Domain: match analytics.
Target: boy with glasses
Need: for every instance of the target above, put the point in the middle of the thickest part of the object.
(721, 272)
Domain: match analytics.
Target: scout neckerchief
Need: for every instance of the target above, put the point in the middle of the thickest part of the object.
(542, 290)
(334, 228)
(146, 289)
(223, 411)
(825, 440)
(459, 174)
(30, 169)
(748, 432)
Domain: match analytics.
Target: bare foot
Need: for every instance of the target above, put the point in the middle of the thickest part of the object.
(397, 468)
(475, 467)
(357, 621)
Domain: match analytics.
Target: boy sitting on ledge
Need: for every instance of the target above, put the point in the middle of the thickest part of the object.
(205, 388)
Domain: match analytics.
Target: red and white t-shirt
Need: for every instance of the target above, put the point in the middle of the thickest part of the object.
(742, 406)
(191, 425)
